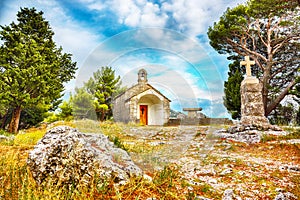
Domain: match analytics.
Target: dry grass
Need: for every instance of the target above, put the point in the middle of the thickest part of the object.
(255, 173)
(17, 183)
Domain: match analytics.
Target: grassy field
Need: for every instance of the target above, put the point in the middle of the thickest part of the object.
(168, 182)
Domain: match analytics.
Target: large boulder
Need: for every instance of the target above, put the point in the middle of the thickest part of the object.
(66, 156)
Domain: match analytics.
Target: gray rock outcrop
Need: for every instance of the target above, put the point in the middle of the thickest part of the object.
(249, 133)
(4, 138)
(285, 196)
(66, 156)
(229, 195)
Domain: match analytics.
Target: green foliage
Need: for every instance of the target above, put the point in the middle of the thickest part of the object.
(266, 138)
(66, 110)
(30, 116)
(232, 22)
(165, 179)
(293, 134)
(268, 32)
(282, 115)
(32, 68)
(103, 85)
(51, 117)
(33, 115)
(5, 133)
(232, 99)
(116, 140)
(83, 104)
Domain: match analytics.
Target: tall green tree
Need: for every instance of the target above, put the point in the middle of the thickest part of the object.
(82, 104)
(103, 85)
(32, 68)
(232, 98)
(269, 32)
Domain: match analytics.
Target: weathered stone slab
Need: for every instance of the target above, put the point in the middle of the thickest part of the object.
(66, 156)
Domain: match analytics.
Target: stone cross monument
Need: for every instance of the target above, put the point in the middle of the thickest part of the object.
(252, 107)
(247, 62)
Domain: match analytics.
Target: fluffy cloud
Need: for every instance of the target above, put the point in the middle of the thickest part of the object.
(139, 13)
(178, 64)
(69, 34)
(193, 16)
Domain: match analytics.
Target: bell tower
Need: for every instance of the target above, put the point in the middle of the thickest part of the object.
(142, 76)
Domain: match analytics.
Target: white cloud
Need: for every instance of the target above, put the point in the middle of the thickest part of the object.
(74, 38)
(194, 16)
(93, 4)
(139, 13)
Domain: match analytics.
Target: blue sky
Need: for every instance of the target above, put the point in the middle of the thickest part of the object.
(165, 37)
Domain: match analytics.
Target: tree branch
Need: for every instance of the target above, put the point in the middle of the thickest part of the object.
(279, 98)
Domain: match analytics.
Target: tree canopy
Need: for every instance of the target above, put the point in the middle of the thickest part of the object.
(32, 68)
(232, 98)
(103, 85)
(269, 32)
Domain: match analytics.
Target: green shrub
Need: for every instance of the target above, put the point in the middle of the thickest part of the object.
(52, 117)
(118, 143)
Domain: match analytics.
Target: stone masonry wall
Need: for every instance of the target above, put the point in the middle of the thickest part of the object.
(252, 108)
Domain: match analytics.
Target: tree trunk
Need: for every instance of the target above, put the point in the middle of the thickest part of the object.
(281, 96)
(102, 115)
(15, 119)
(265, 91)
(5, 118)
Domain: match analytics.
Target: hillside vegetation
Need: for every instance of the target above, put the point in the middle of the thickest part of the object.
(181, 163)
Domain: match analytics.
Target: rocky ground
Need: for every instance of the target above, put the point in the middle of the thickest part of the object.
(266, 170)
(183, 162)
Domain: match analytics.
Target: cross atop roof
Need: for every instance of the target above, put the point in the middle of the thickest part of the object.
(247, 62)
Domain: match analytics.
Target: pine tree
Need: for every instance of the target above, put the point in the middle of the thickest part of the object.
(82, 104)
(66, 109)
(268, 32)
(232, 99)
(32, 68)
(103, 86)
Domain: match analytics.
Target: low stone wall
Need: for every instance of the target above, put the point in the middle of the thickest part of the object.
(201, 121)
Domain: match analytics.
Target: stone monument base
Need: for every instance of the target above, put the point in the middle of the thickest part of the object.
(253, 124)
(252, 107)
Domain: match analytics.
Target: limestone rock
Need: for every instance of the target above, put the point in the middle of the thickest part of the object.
(66, 156)
(2, 137)
(249, 133)
(285, 196)
(229, 195)
(252, 108)
(226, 171)
(5, 138)
(249, 136)
(201, 198)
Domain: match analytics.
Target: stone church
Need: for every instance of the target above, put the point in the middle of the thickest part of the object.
(142, 103)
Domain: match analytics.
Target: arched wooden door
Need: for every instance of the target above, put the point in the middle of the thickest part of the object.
(143, 114)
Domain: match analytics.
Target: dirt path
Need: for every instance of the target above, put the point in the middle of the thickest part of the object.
(252, 171)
